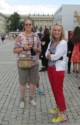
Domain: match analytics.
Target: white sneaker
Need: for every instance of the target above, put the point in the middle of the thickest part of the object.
(22, 104)
(33, 103)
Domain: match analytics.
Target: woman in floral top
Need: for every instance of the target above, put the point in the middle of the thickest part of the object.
(28, 45)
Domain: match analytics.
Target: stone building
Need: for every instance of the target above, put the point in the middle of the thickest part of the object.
(3, 20)
(68, 16)
(40, 21)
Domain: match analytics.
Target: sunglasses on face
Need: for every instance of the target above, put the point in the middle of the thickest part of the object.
(28, 24)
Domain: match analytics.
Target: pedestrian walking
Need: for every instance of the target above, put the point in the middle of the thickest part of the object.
(3, 37)
(39, 89)
(44, 44)
(69, 53)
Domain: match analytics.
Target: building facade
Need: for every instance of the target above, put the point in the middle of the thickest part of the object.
(65, 15)
(3, 22)
(40, 21)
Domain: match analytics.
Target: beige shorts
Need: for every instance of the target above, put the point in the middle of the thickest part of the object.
(30, 75)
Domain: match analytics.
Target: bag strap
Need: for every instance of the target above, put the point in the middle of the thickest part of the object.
(33, 40)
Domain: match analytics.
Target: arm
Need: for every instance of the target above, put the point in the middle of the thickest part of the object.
(18, 50)
(60, 51)
(19, 47)
(47, 52)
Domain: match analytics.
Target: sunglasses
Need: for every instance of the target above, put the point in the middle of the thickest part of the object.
(28, 24)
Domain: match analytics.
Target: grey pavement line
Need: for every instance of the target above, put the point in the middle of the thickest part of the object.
(6, 62)
(6, 45)
(10, 111)
(6, 50)
(52, 124)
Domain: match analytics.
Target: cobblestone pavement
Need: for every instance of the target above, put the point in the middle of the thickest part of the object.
(10, 112)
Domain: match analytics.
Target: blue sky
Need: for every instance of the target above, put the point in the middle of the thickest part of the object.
(33, 6)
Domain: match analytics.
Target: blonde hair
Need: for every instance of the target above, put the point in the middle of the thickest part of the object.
(62, 32)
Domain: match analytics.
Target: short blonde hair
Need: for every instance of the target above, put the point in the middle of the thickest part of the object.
(62, 32)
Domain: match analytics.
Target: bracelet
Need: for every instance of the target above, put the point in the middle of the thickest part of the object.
(23, 49)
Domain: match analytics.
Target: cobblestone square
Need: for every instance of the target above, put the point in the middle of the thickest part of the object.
(10, 112)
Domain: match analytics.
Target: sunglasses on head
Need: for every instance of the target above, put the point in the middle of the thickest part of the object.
(28, 24)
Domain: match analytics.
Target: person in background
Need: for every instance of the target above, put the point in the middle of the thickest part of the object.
(3, 35)
(28, 45)
(56, 54)
(39, 89)
(44, 44)
(69, 53)
(76, 51)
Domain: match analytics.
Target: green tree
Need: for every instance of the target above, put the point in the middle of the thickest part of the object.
(21, 24)
(14, 21)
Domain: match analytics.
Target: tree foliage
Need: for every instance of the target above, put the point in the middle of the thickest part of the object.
(14, 21)
(21, 24)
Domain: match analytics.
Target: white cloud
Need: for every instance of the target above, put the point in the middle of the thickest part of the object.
(26, 9)
(35, 9)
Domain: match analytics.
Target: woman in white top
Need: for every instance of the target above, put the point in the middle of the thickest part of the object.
(56, 54)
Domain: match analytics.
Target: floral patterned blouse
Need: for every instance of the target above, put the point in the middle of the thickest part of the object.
(32, 39)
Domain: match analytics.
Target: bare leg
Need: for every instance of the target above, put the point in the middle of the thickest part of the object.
(75, 68)
(22, 90)
(79, 72)
(37, 85)
(32, 89)
(79, 68)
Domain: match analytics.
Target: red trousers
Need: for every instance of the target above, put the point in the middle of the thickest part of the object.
(56, 79)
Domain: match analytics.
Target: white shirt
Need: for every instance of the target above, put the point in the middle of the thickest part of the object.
(61, 51)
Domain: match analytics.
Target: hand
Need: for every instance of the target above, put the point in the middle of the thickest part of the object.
(27, 47)
(35, 49)
(69, 52)
(43, 43)
(49, 56)
(30, 46)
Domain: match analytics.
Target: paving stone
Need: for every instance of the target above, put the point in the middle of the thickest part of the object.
(10, 112)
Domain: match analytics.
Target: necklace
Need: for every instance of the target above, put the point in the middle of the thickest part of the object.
(54, 44)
